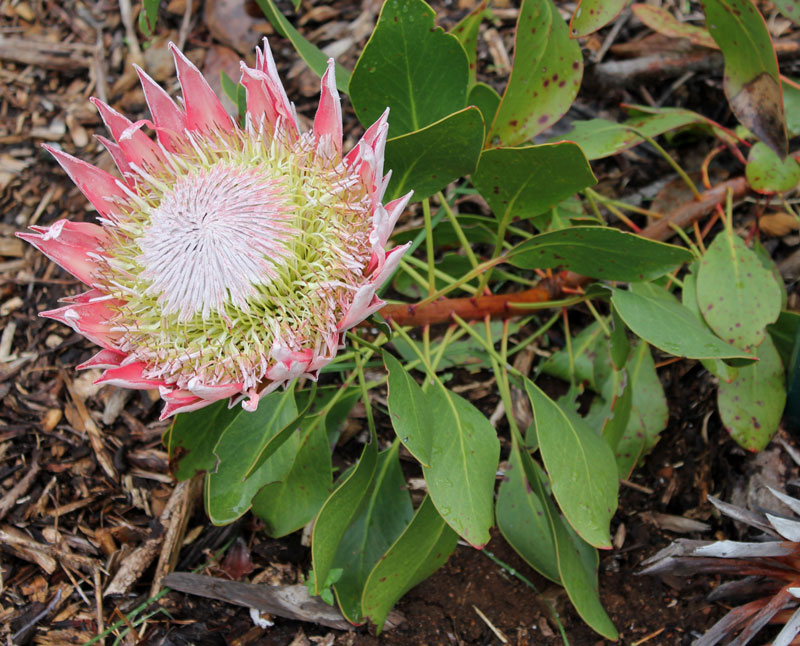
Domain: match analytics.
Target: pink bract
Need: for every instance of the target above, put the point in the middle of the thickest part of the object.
(228, 260)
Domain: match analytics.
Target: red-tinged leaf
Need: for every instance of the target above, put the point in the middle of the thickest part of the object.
(545, 78)
(591, 15)
(751, 80)
(662, 21)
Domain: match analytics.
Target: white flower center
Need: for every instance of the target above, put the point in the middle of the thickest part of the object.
(214, 236)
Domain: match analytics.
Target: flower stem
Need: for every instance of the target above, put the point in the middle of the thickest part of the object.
(426, 212)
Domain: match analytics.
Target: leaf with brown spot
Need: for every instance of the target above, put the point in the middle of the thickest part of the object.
(752, 404)
(545, 77)
(663, 22)
(751, 69)
(591, 15)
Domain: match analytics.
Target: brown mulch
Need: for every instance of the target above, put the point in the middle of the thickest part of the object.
(90, 517)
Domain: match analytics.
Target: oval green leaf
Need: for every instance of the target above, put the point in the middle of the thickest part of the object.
(427, 160)
(599, 252)
(386, 514)
(752, 404)
(418, 552)
(766, 173)
(600, 138)
(522, 520)
(464, 455)
(545, 76)
(527, 181)
(738, 297)
(292, 503)
(581, 467)
(671, 327)
(408, 411)
(230, 487)
(337, 514)
(410, 65)
(591, 15)
(577, 562)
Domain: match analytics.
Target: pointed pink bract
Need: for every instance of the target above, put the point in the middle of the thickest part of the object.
(137, 147)
(328, 120)
(204, 111)
(170, 120)
(99, 187)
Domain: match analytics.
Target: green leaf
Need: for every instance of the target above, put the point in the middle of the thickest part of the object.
(716, 367)
(577, 563)
(600, 138)
(236, 92)
(591, 15)
(522, 518)
(750, 80)
(385, 516)
(783, 333)
(263, 453)
(339, 511)
(791, 106)
(486, 99)
(766, 173)
(736, 294)
(466, 30)
(545, 76)
(581, 467)
(410, 65)
(671, 327)
(292, 503)
(599, 252)
(230, 487)
(408, 408)
(649, 412)
(427, 160)
(524, 182)
(790, 9)
(191, 439)
(463, 462)
(793, 380)
(620, 346)
(315, 58)
(620, 402)
(768, 263)
(148, 16)
(420, 550)
(664, 22)
(752, 404)
(584, 348)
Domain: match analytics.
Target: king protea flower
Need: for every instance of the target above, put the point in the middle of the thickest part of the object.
(227, 260)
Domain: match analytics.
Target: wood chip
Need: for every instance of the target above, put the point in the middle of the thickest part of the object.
(8, 501)
(288, 601)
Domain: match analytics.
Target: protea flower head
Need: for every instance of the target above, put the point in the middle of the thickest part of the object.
(227, 260)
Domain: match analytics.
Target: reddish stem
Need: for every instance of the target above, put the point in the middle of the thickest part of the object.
(501, 305)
